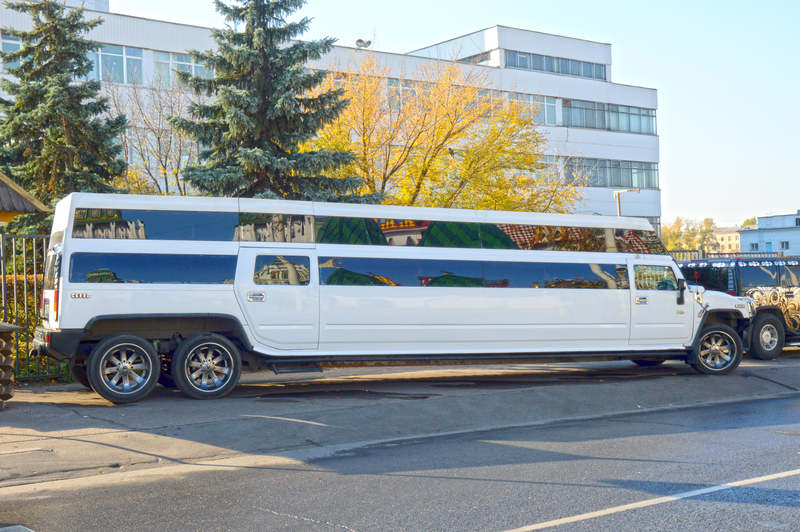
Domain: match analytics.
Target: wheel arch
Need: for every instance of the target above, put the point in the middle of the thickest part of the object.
(732, 319)
(165, 327)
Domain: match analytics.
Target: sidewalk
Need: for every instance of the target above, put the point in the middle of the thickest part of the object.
(53, 432)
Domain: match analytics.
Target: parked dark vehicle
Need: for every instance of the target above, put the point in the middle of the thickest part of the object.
(773, 283)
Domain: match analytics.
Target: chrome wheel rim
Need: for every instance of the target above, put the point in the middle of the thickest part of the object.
(716, 351)
(125, 368)
(769, 337)
(209, 367)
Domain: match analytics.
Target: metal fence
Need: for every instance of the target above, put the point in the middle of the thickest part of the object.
(22, 259)
(696, 254)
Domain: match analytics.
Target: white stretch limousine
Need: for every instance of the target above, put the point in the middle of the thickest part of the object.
(187, 291)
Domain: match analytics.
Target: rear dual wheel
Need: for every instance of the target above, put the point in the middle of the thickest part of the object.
(123, 368)
(206, 366)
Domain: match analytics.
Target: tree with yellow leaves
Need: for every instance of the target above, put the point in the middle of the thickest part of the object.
(443, 139)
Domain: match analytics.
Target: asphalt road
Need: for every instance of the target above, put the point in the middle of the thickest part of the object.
(586, 448)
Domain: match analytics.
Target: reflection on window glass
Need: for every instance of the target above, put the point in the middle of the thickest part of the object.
(755, 274)
(359, 271)
(790, 276)
(402, 232)
(655, 278)
(555, 275)
(282, 270)
(260, 227)
(341, 230)
(451, 235)
(154, 225)
(707, 275)
(151, 268)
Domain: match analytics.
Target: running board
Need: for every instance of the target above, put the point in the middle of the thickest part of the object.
(279, 369)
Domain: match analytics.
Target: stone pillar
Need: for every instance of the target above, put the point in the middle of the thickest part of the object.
(6, 362)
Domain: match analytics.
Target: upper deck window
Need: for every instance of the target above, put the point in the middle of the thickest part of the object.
(302, 228)
(135, 224)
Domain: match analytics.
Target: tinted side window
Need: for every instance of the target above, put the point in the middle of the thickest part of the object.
(340, 230)
(790, 274)
(708, 276)
(151, 268)
(555, 275)
(131, 224)
(755, 274)
(643, 242)
(282, 270)
(260, 227)
(451, 235)
(357, 271)
(654, 278)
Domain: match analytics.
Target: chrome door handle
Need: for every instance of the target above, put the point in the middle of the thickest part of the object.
(256, 296)
(641, 300)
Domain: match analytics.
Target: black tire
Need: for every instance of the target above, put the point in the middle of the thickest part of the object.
(719, 350)
(123, 368)
(647, 363)
(206, 366)
(768, 337)
(77, 369)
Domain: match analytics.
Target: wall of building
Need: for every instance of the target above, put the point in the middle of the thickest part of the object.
(773, 233)
(611, 147)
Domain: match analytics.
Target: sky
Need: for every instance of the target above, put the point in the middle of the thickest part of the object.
(727, 75)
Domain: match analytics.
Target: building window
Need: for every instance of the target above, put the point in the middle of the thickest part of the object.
(557, 65)
(753, 247)
(594, 115)
(9, 44)
(546, 106)
(166, 63)
(797, 222)
(785, 245)
(117, 64)
(609, 173)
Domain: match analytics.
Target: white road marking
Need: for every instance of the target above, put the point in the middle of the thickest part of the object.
(288, 419)
(653, 502)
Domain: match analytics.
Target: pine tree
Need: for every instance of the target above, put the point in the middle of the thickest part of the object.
(263, 111)
(56, 137)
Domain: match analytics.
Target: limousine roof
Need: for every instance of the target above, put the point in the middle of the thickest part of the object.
(193, 203)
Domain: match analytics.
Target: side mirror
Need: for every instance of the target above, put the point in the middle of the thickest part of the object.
(682, 288)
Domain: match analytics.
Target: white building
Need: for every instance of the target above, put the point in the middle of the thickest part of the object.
(607, 130)
(773, 233)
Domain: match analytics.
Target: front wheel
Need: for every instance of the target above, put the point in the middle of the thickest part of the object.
(123, 368)
(206, 366)
(768, 337)
(719, 350)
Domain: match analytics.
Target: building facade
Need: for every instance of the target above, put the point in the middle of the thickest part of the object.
(728, 239)
(603, 130)
(773, 233)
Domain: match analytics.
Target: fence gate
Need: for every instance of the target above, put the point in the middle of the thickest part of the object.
(22, 259)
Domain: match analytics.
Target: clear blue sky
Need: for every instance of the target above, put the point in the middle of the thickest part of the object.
(726, 72)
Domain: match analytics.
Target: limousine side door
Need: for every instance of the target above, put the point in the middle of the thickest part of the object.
(657, 315)
(278, 291)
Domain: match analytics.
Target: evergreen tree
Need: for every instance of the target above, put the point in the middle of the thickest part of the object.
(263, 110)
(55, 138)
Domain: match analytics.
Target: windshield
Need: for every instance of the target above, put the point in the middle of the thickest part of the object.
(709, 276)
